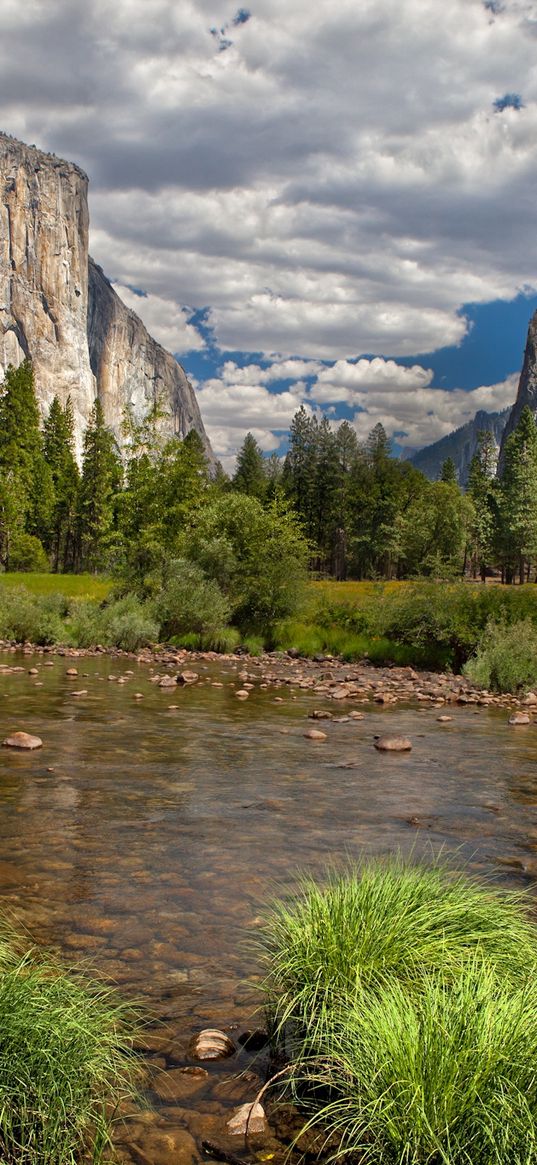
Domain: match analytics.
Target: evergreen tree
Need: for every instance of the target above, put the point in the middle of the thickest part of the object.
(300, 468)
(517, 534)
(250, 475)
(99, 487)
(24, 475)
(58, 444)
(481, 491)
(448, 472)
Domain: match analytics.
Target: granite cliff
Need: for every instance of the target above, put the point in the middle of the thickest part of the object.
(58, 307)
(459, 445)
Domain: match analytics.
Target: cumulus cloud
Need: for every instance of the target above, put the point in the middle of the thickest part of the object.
(424, 415)
(231, 410)
(335, 183)
(327, 185)
(167, 322)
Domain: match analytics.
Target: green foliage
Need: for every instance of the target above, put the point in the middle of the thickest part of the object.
(27, 554)
(257, 556)
(24, 616)
(506, 658)
(64, 1058)
(58, 447)
(517, 506)
(405, 1000)
(99, 485)
(189, 602)
(26, 488)
(250, 476)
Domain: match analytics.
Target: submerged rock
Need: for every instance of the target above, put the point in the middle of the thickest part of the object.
(519, 718)
(248, 1119)
(315, 734)
(22, 740)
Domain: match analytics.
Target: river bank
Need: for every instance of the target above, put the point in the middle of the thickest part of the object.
(327, 676)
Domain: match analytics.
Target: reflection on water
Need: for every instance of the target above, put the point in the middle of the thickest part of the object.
(146, 839)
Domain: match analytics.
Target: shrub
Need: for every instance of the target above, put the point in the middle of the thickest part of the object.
(405, 1000)
(189, 602)
(27, 554)
(63, 1058)
(127, 624)
(506, 659)
(24, 616)
(84, 624)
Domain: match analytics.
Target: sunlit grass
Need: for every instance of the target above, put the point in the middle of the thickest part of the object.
(79, 586)
(405, 1001)
(65, 1061)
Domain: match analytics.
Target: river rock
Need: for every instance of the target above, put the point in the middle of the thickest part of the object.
(72, 671)
(444, 719)
(22, 740)
(249, 1119)
(393, 743)
(211, 1044)
(315, 734)
(530, 699)
(320, 714)
(519, 718)
(167, 682)
(242, 694)
(187, 677)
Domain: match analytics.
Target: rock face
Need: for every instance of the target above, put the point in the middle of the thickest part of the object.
(527, 385)
(58, 308)
(460, 445)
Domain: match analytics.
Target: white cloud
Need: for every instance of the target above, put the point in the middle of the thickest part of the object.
(426, 414)
(335, 182)
(167, 322)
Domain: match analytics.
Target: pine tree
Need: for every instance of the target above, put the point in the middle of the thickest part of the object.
(58, 444)
(481, 491)
(300, 469)
(99, 487)
(518, 499)
(448, 472)
(250, 476)
(24, 474)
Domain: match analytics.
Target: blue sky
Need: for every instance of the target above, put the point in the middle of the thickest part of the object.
(329, 205)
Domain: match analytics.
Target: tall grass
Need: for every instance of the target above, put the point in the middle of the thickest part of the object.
(64, 1062)
(405, 1000)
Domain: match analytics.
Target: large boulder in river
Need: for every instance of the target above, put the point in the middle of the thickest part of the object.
(22, 740)
(393, 743)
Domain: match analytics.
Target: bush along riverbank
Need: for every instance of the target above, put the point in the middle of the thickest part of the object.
(402, 1003)
(65, 1059)
(488, 632)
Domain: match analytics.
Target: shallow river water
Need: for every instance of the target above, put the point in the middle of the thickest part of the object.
(145, 840)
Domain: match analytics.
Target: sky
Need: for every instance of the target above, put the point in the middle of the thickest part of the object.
(328, 204)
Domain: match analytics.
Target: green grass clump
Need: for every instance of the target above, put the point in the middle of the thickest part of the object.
(65, 1060)
(405, 999)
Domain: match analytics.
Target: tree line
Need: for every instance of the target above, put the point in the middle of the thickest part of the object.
(350, 509)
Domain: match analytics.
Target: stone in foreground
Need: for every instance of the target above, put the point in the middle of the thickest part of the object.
(519, 718)
(248, 1119)
(315, 734)
(22, 740)
(393, 743)
(211, 1044)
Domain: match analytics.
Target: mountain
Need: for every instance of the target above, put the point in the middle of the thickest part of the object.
(58, 307)
(460, 445)
(527, 385)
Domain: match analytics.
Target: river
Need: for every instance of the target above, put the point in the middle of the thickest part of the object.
(145, 839)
